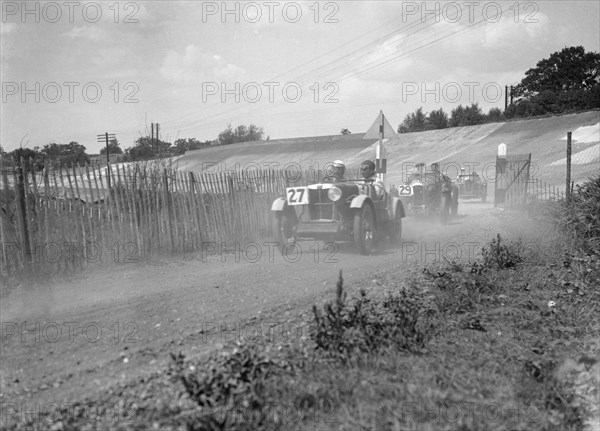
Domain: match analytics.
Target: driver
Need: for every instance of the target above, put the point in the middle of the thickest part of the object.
(336, 172)
(367, 170)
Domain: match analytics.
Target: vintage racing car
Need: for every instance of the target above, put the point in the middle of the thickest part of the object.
(470, 185)
(430, 193)
(347, 210)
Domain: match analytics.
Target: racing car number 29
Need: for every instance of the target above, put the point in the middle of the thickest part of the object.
(405, 190)
(297, 195)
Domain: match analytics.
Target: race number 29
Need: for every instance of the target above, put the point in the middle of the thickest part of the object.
(405, 190)
(297, 195)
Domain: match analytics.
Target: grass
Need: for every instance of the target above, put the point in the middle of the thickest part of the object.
(507, 341)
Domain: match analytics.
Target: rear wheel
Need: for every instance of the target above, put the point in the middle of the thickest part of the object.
(364, 229)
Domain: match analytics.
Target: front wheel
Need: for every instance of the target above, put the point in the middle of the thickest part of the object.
(364, 230)
(396, 229)
(283, 229)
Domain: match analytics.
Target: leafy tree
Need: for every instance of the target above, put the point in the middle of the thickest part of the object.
(240, 134)
(413, 122)
(467, 116)
(32, 158)
(345, 132)
(113, 148)
(180, 146)
(437, 120)
(566, 81)
(65, 154)
(146, 148)
(571, 69)
(495, 115)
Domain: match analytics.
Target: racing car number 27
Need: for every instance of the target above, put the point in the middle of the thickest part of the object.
(297, 195)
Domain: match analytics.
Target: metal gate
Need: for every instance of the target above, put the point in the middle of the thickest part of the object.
(512, 179)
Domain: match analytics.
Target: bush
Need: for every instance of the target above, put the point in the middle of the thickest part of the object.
(502, 255)
(402, 320)
(233, 388)
(580, 217)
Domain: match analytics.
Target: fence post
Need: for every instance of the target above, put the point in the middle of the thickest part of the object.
(22, 216)
(568, 166)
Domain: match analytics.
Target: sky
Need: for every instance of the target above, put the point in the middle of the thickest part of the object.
(73, 70)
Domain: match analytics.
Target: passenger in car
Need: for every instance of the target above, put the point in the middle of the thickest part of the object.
(367, 170)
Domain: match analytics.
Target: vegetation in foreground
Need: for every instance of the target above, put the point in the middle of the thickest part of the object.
(507, 341)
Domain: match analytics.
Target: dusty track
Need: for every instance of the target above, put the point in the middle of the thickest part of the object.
(164, 306)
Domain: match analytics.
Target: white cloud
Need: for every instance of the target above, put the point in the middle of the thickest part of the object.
(7, 27)
(195, 64)
(111, 56)
(87, 32)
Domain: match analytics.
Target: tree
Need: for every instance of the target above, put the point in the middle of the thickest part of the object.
(437, 120)
(571, 69)
(32, 158)
(66, 154)
(240, 134)
(467, 116)
(495, 115)
(413, 122)
(566, 81)
(345, 132)
(146, 148)
(113, 148)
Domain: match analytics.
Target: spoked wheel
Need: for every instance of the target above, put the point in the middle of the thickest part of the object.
(444, 208)
(283, 229)
(364, 229)
(396, 229)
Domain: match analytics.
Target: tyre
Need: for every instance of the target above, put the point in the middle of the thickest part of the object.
(283, 229)
(364, 229)
(396, 229)
(444, 208)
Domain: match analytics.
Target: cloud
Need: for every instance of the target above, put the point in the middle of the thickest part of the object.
(195, 64)
(111, 56)
(93, 33)
(7, 27)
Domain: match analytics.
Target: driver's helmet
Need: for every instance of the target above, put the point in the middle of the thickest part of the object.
(338, 169)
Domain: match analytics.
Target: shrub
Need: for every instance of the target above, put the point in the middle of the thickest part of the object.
(402, 320)
(502, 255)
(233, 387)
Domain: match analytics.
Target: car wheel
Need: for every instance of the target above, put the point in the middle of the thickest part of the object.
(283, 229)
(364, 229)
(444, 209)
(396, 229)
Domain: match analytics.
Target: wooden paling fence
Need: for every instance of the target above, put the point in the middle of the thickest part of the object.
(61, 220)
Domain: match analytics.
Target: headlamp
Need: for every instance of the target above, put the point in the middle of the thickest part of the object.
(334, 194)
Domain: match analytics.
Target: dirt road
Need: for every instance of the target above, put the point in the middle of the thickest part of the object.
(64, 341)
